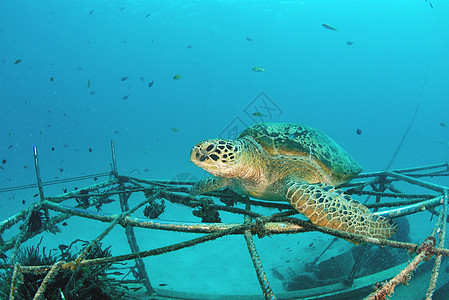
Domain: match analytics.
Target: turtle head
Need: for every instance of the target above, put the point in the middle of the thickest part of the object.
(220, 157)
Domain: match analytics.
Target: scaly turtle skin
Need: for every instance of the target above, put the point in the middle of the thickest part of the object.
(294, 163)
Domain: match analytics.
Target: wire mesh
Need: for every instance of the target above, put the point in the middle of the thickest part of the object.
(382, 184)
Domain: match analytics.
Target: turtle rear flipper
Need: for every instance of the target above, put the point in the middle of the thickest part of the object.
(208, 184)
(326, 206)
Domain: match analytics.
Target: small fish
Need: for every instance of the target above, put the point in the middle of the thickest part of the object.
(116, 132)
(88, 83)
(311, 244)
(123, 78)
(90, 149)
(141, 78)
(64, 224)
(95, 178)
(1, 168)
(147, 16)
(177, 77)
(327, 26)
(52, 79)
(174, 129)
(442, 124)
(189, 46)
(258, 69)
(146, 170)
(257, 114)
(150, 84)
(25, 167)
(91, 12)
(349, 43)
(61, 170)
(23, 202)
(4, 161)
(358, 131)
(125, 97)
(430, 3)
(249, 39)
(92, 92)
(52, 148)
(136, 289)
(18, 61)
(35, 195)
(10, 146)
(162, 284)
(64, 190)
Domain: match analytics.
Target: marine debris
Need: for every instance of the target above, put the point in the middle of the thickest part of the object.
(96, 263)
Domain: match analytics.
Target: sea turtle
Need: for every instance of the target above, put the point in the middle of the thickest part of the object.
(294, 163)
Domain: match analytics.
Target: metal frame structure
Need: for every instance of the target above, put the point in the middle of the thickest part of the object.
(381, 185)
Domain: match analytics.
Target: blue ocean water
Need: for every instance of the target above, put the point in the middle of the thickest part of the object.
(75, 75)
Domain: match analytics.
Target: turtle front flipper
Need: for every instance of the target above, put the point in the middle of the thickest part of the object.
(329, 207)
(208, 184)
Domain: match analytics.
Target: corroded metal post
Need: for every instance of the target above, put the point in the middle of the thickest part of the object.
(129, 230)
(38, 174)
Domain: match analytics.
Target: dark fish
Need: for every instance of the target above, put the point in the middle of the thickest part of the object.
(349, 43)
(174, 129)
(18, 61)
(147, 16)
(430, 3)
(25, 167)
(146, 170)
(23, 202)
(92, 92)
(249, 39)
(64, 223)
(4, 161)
(125, 97)
(91, 12)
(52, 148)
(116, 132)
(90, 149)
(358, 131)
(35, 195)
(52, 79)
(150, 84)
(10, 146)
(141, 78)
(189, 46)
(310, 245)
(61, 170)
(327, 26)
(1, 168)
(88, 83)
(65, 145)
(257, 114)
(162, 284)
(177, 77)
(64, 190)
(136, 289)
(95, 178)
(124, 78)
(442, 124)
(287, 261)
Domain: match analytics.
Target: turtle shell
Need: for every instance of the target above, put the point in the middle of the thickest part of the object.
(299, 140)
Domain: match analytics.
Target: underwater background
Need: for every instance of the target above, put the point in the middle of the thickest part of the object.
(156, 77)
